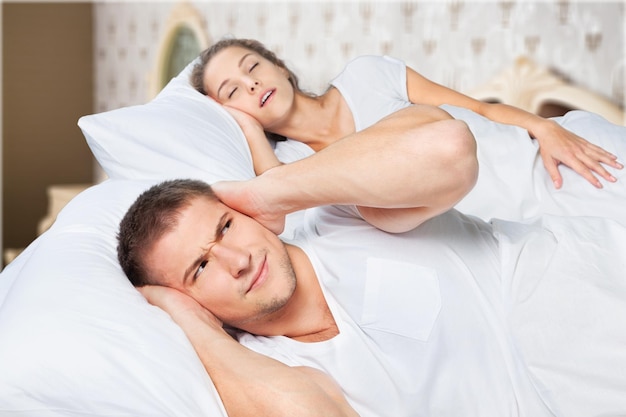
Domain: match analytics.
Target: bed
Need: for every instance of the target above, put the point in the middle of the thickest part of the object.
(76, 339)
(529, 86)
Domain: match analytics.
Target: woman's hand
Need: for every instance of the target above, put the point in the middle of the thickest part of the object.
(251, 127)
(248, 198)
(558, 145)
(263, 156)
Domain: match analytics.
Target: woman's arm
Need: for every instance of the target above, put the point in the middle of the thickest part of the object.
(249, 383)
(556, 144)
(417, 160)
(263, 156)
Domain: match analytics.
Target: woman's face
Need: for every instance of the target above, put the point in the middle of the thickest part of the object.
(240, 78)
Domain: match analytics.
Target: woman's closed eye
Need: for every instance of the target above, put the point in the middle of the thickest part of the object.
(234, 90)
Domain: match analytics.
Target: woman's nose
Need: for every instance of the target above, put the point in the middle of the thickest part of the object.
(235, 260)
(253, 84)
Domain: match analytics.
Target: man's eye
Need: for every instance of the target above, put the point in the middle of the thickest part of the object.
(226, 227)
(200, 268)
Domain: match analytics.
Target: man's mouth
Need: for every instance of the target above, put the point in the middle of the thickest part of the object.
(266, 96)
(260, 276)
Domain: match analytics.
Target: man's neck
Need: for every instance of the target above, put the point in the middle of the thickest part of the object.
(306, 317)
(315, 320)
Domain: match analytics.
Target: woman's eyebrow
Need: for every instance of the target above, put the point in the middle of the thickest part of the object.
(228, 79)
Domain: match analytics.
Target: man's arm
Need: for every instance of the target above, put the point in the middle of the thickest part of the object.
(249, 383)
(417, 161)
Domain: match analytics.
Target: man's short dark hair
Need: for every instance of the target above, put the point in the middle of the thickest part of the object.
(152, 215)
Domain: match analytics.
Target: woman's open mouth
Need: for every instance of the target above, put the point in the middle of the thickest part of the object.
(266, 96)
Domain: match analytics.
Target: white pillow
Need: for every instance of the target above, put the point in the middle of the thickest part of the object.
(78, 340)
(180, 133)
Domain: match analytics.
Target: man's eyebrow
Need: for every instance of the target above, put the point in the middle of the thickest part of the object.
(228, 79)
(194, 265)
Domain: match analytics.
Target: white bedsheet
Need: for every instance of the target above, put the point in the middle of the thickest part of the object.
(514, 185)
(566, 311)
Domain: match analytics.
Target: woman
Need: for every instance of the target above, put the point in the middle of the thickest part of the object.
(263, 95)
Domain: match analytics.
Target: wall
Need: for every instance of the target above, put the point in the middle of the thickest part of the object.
(460, 44)
(47, 83)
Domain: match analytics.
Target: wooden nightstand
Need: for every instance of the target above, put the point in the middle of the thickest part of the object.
(58, 196)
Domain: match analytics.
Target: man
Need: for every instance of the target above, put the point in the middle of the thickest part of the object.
(428, 322)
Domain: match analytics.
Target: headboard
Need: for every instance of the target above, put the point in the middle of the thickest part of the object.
(538, 90)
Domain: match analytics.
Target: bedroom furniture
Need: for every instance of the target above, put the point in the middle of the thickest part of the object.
(536, 89)
(58, 196)
(40, 141)
(184, 38)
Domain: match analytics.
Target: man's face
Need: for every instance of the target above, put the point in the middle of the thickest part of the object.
(228, 262)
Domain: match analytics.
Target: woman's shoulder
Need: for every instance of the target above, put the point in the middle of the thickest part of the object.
(374, 61)
(372, 68)
(373, 86)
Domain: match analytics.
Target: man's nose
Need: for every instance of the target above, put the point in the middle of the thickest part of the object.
(234, 259)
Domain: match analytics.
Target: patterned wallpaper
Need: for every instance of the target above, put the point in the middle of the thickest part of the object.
(461, 44)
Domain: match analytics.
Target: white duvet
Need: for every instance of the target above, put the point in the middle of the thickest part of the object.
(513, 183)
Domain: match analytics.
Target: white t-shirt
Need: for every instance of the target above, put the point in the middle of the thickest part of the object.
(373, 87)
(458, 317)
